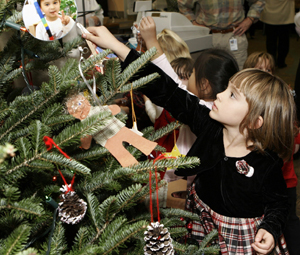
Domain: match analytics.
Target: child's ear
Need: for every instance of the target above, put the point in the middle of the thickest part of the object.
(259, 122)
(205, 84)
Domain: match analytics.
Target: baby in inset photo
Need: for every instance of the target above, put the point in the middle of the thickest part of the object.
(54, 25)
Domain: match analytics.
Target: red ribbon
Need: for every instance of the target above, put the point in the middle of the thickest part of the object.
(161, 156)
(72, 182)
(29, 77)
(49, 142)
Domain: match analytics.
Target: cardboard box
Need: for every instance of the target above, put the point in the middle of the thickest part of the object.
(121, 8)
(116, 5)
(173, 202)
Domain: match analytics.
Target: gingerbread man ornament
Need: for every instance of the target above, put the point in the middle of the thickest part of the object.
(113, 134)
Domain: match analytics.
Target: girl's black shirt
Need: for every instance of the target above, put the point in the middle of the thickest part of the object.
(218, 182)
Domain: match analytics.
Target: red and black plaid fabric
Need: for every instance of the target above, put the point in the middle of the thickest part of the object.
(235, 234)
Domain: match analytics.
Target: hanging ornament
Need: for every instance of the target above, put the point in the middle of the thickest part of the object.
(134, 120)
(71, 208)
(175, 153)
(54, 178)
(189, 225)
(158, 240)
(157, 237)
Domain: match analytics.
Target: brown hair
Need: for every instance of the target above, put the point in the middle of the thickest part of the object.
(270, 97)
(253, 60)
(216, 66)
(39, 2)
(183, 67)
(172, 45)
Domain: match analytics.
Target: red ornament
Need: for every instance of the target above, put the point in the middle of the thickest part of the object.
(54, 178)
(181, 218)
(189, 226)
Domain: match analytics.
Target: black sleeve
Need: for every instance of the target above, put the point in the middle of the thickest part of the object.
(275, 201)
(164, 92)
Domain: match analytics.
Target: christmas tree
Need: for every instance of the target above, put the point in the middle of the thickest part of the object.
(35, 211)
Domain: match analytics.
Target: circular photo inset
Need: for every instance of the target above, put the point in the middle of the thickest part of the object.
(49, 20)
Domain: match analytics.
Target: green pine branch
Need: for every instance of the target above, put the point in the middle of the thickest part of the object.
(58, 242)
(139, 82)
(29, 206)
(29, 251)
(80, 241)
(136, 65)
(175, 212)
(34, 104)
(64, 162)
(181, 162)
(93, 153)
(122, 236)
(15, 241)
(165, 130)
(115, 81)
(100, 181)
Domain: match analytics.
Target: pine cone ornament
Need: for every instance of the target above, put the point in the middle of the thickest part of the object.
(158, 240)
(71, 209)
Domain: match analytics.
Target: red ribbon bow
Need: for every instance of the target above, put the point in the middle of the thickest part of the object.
(49, 142)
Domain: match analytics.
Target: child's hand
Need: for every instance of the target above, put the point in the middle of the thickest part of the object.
(264, 242)
(148, 31)
(104, 39)
(145, 98)
(64, 19)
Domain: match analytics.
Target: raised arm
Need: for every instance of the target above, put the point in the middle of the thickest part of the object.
(163, 91)
(148, 33)
(102, 37)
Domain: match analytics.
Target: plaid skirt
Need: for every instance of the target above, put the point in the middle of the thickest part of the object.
(235, 234)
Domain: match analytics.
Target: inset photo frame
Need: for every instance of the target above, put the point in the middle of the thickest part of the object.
(48, 20)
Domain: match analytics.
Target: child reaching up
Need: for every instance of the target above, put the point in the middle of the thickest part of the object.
(159, 116)
(175, 49)
(260, 60)
(239, 189)
(210, 75)
(59, 25)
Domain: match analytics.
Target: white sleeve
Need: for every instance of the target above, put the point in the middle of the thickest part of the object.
(208, 104)
(40, 31)
(163, 63)
(150, 110)
(153, 110)
(68, 27)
